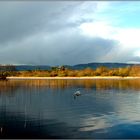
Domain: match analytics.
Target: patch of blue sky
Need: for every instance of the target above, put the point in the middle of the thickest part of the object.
(122, 14)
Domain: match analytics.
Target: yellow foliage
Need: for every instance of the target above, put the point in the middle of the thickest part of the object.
(62, 72)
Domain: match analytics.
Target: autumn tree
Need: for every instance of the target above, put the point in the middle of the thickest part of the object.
(135, 70)
(101, 71)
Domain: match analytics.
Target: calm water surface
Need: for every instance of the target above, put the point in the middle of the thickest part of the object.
(47, 109)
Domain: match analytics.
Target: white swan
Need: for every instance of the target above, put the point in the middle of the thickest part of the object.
(77, 93)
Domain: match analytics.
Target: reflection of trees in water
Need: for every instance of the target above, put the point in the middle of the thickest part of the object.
(98, 84)
(7, 87)
(118, 84)
(112, 84)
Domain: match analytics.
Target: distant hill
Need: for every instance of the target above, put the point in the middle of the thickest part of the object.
(78, 66)
(32, 67)
(96, 65)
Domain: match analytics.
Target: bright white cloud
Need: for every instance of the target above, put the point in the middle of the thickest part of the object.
(127, 38)
(97, 29)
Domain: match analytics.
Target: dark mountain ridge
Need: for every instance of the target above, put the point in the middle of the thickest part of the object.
(78, 66)
(96, 65)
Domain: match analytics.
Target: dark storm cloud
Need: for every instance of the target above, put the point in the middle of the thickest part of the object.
(84, 50)
(66, 49)
(21, 19)
(47, 33)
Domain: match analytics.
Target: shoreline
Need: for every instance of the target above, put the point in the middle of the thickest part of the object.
(66, 78)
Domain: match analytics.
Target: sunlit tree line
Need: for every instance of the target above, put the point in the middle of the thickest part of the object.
(100, 71)
(62, 71)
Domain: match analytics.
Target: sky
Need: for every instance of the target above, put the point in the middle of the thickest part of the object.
(69, 32)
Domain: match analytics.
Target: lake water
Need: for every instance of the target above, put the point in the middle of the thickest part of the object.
(48, 109)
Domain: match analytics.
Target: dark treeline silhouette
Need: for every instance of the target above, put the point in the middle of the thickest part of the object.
(7, 70)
